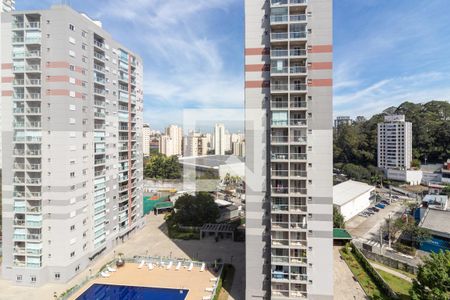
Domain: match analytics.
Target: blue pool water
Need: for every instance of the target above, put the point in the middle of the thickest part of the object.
(123, 292)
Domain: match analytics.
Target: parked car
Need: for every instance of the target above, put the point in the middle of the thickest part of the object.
(369, 211)
(379, 205)
(374, 209)
(384, 202)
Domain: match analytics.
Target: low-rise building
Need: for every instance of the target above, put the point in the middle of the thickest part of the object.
(219, 165)
(352, 197)
(446, 172)
(437, 221)
(413, 177)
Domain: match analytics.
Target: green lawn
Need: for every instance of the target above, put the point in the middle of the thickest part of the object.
(399, 285)
(363, 278)
(412, 276)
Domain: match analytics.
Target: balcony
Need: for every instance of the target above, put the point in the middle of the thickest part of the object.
(33, 68)
(35, 224)
(279, 139)
(34, 167)
(34, 209)
(280, 156)
(19, 222)
(36, 181)
(33, 82)
(100, 91)
(34, 153)
(34, 25)
(298, 156)
(299, 139)
(18, 25)
(18, 110)
(33, 54)
(277, 3)
(299, 191)
(99, 44)
(99, 56)
(18, 82)
(298, 173)
(18, 39)
(280, 173)
(280, 190)
(280, 207)
(299, 104)
(298, 122)
(33, 110)
(34, 236)
(32, 40)
(276, 19)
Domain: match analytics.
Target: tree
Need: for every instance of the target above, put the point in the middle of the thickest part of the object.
(196, 210)
(446, 190)
(338, 218)
(162, 167)
(415, 163)
(433, 278)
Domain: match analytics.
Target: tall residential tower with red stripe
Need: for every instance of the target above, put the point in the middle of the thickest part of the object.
(72, 104)
(288, 108)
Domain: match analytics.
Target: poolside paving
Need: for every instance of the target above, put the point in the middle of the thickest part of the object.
(149, 241)
(194, 281)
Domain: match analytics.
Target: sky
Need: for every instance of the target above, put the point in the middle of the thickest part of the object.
(385, 53)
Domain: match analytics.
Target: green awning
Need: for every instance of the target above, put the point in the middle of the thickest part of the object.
(163, 205)
(341, 234)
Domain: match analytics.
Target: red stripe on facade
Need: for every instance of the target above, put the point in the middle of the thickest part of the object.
(257, 51)
(60, 78)
(321, 49)
(7, 66)
(58, 92)
(58, 64)
(320, 82)
(257, 68)
(7, 93)
(7, 79)
(321, 66)
(257, 84)
(79, 69)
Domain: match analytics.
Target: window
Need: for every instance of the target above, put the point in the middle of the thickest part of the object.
(57, 276)
(19, 278)
(83, 46)
(72, 53)
(72, 107)
(72, 254)
(72, 120)
(72, 228)
(83, 33)
(72, 174)
(33, 278)
(72, 68)
(71, 27)
(72, 40)
(72, 80)
(72, 94)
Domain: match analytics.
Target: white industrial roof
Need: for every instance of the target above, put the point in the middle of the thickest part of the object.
(436, 220)
(349, 190)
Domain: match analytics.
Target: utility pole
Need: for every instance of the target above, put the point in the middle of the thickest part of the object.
(381, 240)
(389, 230)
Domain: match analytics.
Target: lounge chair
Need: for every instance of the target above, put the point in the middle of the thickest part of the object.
(206, 298)
(203, 267)
(214, 279)
(150, 266)
(191, 266)
(105, 274)
(169, 265)
(141, 264)
(111, 269)
(209, 290)
(178, 266)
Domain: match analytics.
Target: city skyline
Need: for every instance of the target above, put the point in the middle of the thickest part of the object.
(211, 34)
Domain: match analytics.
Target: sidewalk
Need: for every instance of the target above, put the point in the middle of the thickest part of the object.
(390, 271)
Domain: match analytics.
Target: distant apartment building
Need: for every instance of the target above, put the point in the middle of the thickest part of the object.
(171, 143)
(395, 150)
(72, 105)
(342, 121)
(146, 136)
(196, 144)
(154, 144)
(239, 148)
(288, 122)
(394, 143)
(219, 139)
(7, 5)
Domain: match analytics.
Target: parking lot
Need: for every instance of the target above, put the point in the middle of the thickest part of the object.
(369, 227)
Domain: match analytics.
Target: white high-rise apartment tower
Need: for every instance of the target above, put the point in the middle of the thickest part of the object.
(288, 111)
(72, 104)
(146, 135)
(219, 139)
(394, 143)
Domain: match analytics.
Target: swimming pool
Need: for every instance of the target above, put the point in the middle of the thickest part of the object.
(123, 292)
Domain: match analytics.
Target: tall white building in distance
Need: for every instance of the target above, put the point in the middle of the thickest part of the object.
(171, 143)
(146, 136)
(219, 139)
(72, 122)
(394, 143)
(7, 5)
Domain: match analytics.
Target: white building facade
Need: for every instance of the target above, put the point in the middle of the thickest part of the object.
(219, 139)
(146, 136)
(72, 119)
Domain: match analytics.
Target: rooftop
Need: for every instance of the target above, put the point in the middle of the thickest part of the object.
(349, 190)
(436, 220)
(211, 161)
(341, 234)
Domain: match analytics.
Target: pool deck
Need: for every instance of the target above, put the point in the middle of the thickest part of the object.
(194, 281)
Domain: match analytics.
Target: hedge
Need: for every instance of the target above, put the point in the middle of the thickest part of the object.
(376, 277)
